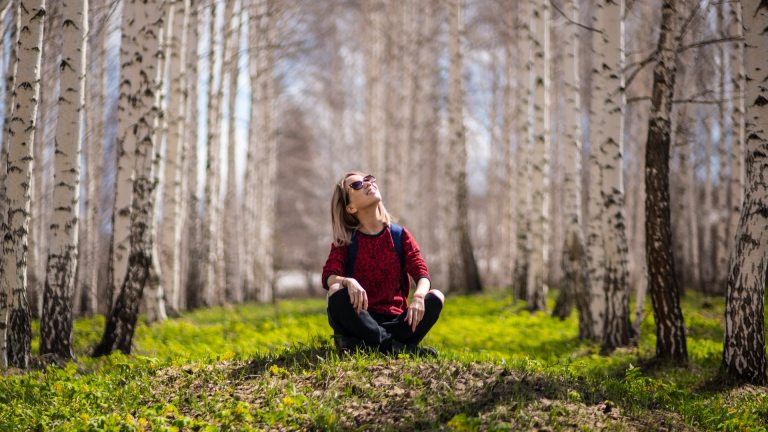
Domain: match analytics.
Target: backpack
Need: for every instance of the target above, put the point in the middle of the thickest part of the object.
(397, 237)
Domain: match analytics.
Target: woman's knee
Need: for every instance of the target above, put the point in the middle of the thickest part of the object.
(437, 294)
(336, 292)
(334, 288)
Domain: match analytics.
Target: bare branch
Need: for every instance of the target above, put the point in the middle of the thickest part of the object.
(690, 18)
(710, 42)
(586, 27)
(679, 101)
(646, 61)
(639, 67)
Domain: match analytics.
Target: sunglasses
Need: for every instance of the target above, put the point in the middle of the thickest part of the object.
(357, 185)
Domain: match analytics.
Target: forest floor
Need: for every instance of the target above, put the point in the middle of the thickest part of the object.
(257, 367)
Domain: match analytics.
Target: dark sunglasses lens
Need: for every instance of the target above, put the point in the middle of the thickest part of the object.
(356, 185)
(369, 178)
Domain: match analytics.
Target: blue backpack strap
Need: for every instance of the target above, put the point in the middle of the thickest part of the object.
(397, 237)
(349, 265)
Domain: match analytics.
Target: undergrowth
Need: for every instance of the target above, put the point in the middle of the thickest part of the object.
(255, 367)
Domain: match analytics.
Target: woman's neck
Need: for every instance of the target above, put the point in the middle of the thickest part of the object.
(371, 220)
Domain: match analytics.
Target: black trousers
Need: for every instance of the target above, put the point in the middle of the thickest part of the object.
(380, 330)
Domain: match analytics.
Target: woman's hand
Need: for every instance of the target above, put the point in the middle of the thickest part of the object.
(415, 312)
(357, 295)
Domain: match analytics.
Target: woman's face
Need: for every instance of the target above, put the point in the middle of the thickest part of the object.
(368, 193)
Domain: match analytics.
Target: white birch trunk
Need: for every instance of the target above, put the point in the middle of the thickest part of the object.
(190, 293)
(509, 195)
(595, 208)
(250, 203)
(744, 347)
(463, 274)
(129, 109)
(86, 300)
(265, 271)
(537, 279)
(617, 330)
(394, 102)
(213, 290)
(721, 221)
(375, 111)
(231, 217)
(41, 170)
(172, 222)
(524, 114)
(706, 219)
(736, 184)
(21, 130)
(670, 328)
(493, 216)
(154, 299)
(574, 259)
(7, 259)
(56, 323)
(139, 75)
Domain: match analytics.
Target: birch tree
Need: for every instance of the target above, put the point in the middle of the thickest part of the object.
(172, 191)
(615, 285)
(595, 209)
(190, 241)
(251, 202)
(212, 288)
(264, 272)
(6, 261)
(524, 144)
(21, 132)
(56, 323)
(721, 221)
(374, 113)
(231, 215)
(90, 232)
(130, 113)
(574, 252)
(42, 172)
(463, 275)
(536, 294)
(736, 61)
(138, 111)
(662, 284)
(744, 347)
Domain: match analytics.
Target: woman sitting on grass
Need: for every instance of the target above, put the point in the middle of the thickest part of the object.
(366, 275)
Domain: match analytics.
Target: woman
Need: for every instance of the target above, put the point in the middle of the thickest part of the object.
(366, 275)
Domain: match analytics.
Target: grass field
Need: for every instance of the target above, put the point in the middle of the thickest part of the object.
(253, 367)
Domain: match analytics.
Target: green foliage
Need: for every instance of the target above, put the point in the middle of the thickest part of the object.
(251, 367)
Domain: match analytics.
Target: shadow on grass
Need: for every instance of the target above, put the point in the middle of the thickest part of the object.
(297, 357)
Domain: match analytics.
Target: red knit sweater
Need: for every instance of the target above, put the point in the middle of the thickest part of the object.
(377, 269)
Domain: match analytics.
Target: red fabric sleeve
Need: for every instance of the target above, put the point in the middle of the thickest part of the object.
(414, 263)
(334, 265)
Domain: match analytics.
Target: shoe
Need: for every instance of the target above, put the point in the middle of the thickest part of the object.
(422, 351)
(347, 343)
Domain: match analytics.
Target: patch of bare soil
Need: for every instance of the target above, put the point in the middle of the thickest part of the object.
(409, 395)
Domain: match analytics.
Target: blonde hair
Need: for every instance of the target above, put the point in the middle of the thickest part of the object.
(344, 223)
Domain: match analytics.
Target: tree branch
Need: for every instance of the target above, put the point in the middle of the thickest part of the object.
(643, 63)
(640, 66)
(586, 27)
(711, 42)
(678, 101)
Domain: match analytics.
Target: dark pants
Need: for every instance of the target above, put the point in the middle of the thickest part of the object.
(382, 331)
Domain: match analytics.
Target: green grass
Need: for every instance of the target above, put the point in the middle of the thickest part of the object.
(251, 367)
